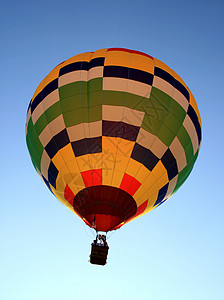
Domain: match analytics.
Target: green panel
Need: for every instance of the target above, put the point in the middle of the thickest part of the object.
(181, 178)
(189, 152)
(172, 123)
(195, 156)
(151, 125)
(73, 88)
(124, 99)
(166, 135)
(177, 111)
(41, 124)
(95, 85)
(95, 113)
(76, 117)
(183, 175)
(185, 142)
(49, 115)
(74, 102)
(95, 98)
(83, 115)
(161, 98)
(34, 145)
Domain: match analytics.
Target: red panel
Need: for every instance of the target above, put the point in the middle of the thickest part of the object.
(119, 49)
(92, 177)
(130, 51)
(129, 184)
(68, 195)
(141, 208)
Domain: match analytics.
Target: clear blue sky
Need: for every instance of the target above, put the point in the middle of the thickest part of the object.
(176, 251)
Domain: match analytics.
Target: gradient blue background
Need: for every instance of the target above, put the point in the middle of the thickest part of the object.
(176, 251)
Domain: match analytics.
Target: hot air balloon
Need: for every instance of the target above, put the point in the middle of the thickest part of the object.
(113, 134)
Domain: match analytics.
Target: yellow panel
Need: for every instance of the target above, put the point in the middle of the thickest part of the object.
(99, 53)
(125, 147)
(142, 174)
(159, 170)
(151, 201)
(109, 161)
(142, 62)
(133, 167)
(70, 174)
(156, 186)
(121, 163)
(163, 180)
(84, 162)
(117, 178)
(63, 156)
(109, 144)
(107, 175)
(140, 196)
(149, 181)
(195, 107)
(96, 161)
(63, 178)
(76, 58)
(72, 166)
(118, 58)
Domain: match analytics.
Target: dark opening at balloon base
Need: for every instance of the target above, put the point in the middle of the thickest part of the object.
(99, 250)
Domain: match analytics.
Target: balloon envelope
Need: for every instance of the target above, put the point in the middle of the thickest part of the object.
(113, 134)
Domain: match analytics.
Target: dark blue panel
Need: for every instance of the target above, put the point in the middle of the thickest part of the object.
(80, 65)
(120, 129)
(194, 118)
(59, 141)
(129, 73)
(179, 86)
(52, 174)
(87, 146)
(96, 62)
(115, 71)
(144, 156)
(164, 75)
(170, 164)
(162, 194)
(141, 76)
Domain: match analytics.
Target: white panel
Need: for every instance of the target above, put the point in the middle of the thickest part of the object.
(44, 164)
(163, 85)
(179, 154)
(50, 99)
(139, 88)
(124, 114)
(151, 142)
(53, 128)
(84, 130)
(179, 97)
(79, 75)
(95, 72)
(189, 126)
(171, 186)
(115, 84)
(38, 111)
